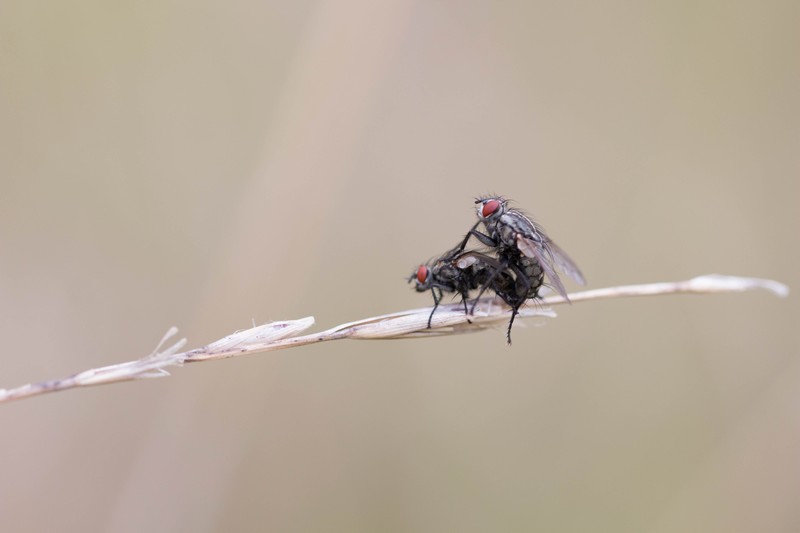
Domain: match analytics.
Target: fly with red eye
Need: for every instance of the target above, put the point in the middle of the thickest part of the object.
(514, 235)
(451, 273)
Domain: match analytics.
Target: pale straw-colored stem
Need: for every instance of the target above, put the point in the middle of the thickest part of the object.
(448, 320)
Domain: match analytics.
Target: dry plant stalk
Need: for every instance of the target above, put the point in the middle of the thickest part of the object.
(448, 320)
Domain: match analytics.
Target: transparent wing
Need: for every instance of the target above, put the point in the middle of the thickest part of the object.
(470, 258)
(538, 240)
(542, 254)
(565, 263)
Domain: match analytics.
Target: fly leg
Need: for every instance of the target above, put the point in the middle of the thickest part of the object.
(499, 270)
(472, 231)
(464, 297)
(436, 300)
(514, 311)
(519, 296)
(482, 237)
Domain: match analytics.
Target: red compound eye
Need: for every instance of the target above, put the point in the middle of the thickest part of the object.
(489, 208)
(422, 273)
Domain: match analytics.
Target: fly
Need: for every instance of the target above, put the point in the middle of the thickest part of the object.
(462, 272)
(515, 236)
(450, 273)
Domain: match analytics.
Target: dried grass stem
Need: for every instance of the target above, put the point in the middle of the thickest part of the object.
(448, 320)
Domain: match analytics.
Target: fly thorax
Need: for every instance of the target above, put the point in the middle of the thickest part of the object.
(506, 233)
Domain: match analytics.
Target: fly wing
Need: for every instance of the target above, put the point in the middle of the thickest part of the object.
(559, 257)
(466, 260)
(470, 258)
(564, 263)
(542, 253)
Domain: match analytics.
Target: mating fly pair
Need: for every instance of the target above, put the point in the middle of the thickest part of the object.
(519, 255)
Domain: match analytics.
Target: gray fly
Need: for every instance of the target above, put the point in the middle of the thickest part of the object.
(461, 272)
(517, 239)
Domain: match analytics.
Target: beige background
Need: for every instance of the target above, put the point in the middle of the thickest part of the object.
(210, 164)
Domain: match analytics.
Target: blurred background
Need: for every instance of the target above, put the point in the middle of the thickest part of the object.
(209, 165)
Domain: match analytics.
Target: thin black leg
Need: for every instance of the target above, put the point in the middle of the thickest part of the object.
(482, 237)
(469, 234)
(511, 323)
(497, 272)
(464, 297)
(436, 300)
